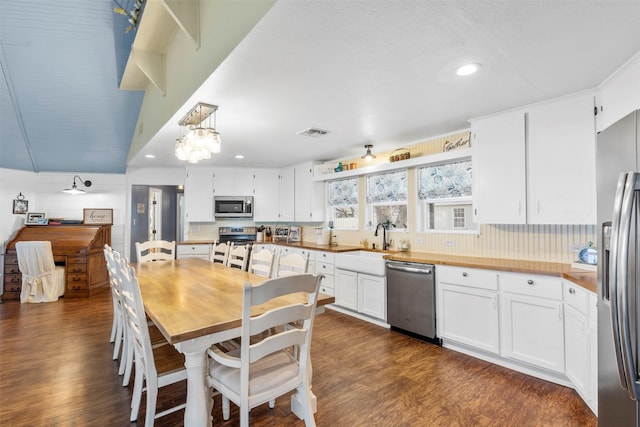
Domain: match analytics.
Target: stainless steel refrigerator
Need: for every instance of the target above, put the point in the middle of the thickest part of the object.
(617, 166)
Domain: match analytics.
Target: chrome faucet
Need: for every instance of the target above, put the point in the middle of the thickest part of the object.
(384, 235)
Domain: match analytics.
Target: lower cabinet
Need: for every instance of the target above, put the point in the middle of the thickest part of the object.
(197, 250)
(363, 293)
(469, 316)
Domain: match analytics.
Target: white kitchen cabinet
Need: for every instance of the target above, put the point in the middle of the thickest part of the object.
(581, 341)
(321, 262)
(499, 180)
(561, 160)
(532, 320)
(309, 195)
(360, 292)
(195, 250)
(619, 95)
(346, 290)
(468, 310)
(198, 195)
(266, 195)
(555, 157)
(286, 188)
(233, 182)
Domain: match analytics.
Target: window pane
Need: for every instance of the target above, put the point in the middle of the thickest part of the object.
(395, 214)
(448, 216)
(345, 217)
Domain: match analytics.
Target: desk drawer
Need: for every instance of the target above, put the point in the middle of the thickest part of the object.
(76, 260)
(11, 269)
(12, 287)
(76, 268)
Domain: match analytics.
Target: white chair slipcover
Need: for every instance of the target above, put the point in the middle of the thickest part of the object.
(42, 280)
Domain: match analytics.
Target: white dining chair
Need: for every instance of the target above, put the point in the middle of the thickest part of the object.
(219, 252)
(42, 279)
(261, 370)
(155, 250)
(261, 262)
(154, 367)
(238, 256)
(291, 264)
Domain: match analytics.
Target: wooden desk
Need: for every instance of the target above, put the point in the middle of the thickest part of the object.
(195, 304)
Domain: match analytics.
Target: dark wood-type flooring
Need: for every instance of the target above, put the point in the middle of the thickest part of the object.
(56, 370)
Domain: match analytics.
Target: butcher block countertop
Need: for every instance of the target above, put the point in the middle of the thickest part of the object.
(583, 278)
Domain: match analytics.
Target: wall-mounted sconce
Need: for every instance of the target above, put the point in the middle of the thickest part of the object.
(368, 156)
(74, 188)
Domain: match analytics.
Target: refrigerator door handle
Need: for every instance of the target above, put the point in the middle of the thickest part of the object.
(615, 290)
(622, 277)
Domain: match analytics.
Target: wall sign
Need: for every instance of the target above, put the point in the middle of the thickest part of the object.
(97, 216)
(461, 142)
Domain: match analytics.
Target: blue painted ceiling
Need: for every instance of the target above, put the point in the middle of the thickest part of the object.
(61, 110)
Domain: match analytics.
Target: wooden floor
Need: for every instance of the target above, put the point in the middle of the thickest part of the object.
(56, 370)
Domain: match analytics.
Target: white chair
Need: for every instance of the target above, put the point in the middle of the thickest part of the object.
(154, 250)
(261, 263)
(263, 370)
(219, 252)
(238, 256)
(42, 280)
(155, 367)
(292, 264)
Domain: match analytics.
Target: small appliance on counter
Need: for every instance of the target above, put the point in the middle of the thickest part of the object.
(324, 235)
(295, 234)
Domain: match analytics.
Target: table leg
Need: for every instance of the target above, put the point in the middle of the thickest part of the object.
(199, 401)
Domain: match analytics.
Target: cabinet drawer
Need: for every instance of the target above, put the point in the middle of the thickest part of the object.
(531, 284)
(193, 250)
(324, 268)
(326, 257)
(328, 281)
(12, 279)
(471, 277)
(77, 286)
(11, 269)
(12, 287)
(593, 307)
(76, 268)
(575, 296)
(304, 252)
(327, 290)
(76, 278)
(76, 260)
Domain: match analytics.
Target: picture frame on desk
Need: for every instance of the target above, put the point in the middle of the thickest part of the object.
(36, 218)
(97, 216)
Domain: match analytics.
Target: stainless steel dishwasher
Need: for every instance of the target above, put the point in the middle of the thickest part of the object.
(411, 298)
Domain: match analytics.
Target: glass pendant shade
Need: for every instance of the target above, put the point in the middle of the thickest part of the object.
(198, 143)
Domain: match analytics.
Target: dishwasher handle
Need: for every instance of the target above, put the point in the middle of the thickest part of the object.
(410, 269)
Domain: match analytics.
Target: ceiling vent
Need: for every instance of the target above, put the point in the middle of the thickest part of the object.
(313, 132)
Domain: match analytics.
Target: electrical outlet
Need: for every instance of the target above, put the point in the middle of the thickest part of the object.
(449, 243)
(419, 241)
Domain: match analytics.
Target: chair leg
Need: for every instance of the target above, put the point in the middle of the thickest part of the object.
(244, 417)
(137, 395)
(307, 406)
(272, 403)
(114, 325)
(152, 397)
(125, 351)
(226, 408)
(128, 359)
(118, 341)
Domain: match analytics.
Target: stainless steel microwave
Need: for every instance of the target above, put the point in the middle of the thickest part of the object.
(233, 206)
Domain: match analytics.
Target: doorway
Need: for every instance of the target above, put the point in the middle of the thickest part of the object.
(153, 214)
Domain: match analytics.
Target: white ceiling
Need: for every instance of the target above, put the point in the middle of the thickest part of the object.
(371, 72)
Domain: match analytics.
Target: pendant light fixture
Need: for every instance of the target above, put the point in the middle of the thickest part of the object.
(74, 188)
(197, 142)
(368, 156)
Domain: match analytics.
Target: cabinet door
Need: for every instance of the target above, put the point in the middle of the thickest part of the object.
(224, 182)
(198, 195)
(309, 195)
(346, 288)
(266, 196)
(561, 162)
(619, 95)
(577, 349)
(287, 195)
(244, 182)
(499, 186)
(469, 316)
(372, 294)
(532, 331)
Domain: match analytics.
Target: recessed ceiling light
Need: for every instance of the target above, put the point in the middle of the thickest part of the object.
(150, 156)
(239, 156)
(468, 69)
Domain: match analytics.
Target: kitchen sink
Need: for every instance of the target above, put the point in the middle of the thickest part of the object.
(362, 262)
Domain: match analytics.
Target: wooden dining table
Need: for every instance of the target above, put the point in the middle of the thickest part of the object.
(195, 304)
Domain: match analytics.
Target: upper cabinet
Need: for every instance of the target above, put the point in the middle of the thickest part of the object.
(499, 176)
(536, 165)
(233, 182)
(619, 95)
(309, 195)
(198, 195)
(266, 195)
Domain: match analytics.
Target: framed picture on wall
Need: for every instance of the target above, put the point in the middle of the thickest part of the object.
(36, 218)
(20, 206)
(95, 216)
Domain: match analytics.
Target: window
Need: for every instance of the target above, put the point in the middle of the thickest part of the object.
(445, 197)
(343, 203)
(387, 200)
